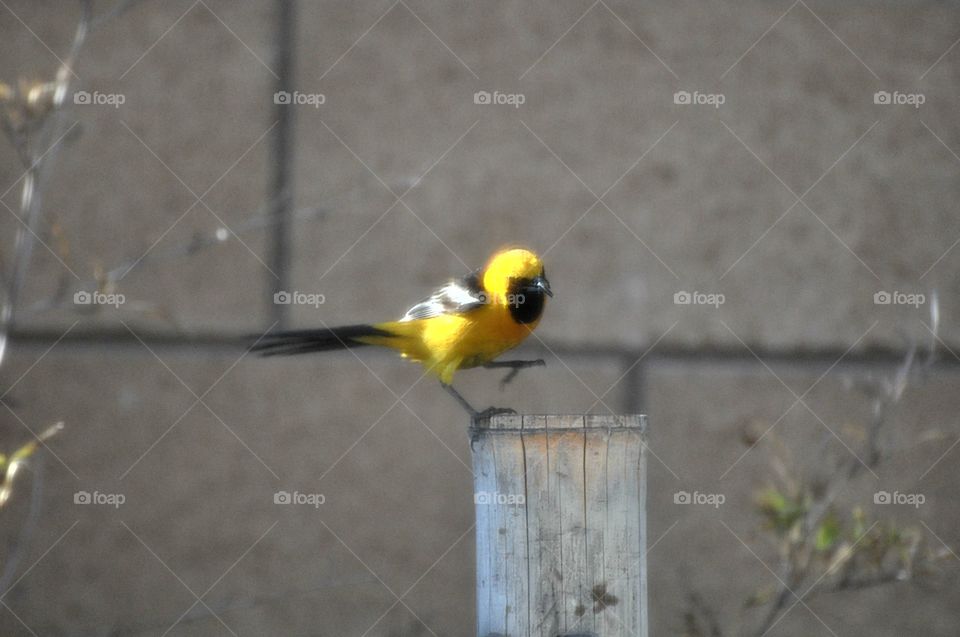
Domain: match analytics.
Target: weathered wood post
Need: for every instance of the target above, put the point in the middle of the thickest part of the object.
(561, 526)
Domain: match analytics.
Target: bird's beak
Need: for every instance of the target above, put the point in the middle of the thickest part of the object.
(541, 283)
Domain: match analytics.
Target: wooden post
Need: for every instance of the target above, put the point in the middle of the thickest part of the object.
(561, 526)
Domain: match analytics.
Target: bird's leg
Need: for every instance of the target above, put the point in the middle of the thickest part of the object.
(475, 416)
(515, 367)
(539, 362)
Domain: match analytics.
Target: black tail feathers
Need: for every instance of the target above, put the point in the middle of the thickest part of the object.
(315, 340)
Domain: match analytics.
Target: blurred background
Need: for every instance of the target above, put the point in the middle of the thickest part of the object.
(748, 214)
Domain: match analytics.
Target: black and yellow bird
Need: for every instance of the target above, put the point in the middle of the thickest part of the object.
(466, 323)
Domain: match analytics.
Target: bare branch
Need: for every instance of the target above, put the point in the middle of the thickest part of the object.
(799, 548)
(36, 159)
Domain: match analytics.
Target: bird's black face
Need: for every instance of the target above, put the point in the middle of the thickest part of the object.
(528, 297)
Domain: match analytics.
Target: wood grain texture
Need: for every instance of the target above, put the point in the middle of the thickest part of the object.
(561, 527)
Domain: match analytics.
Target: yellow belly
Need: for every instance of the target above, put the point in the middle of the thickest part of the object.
(447, 343)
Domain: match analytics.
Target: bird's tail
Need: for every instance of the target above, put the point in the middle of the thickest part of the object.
(322, 340)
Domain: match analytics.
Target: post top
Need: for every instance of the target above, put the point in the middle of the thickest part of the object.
(550, 422)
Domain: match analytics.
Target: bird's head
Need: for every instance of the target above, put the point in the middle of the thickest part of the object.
(516, 277)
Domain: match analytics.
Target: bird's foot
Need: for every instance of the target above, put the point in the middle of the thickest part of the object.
(475, 416)
(492, 411)
(506, 380)
(486, 414)
(515, 367)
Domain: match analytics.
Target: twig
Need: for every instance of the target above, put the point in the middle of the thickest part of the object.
(797, 554)
(60, 299)
(30, 196)
(26, 530)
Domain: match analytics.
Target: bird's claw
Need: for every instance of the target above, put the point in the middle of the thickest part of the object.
(486, 414)
(516, 366)
(492, 411)
(509, 377)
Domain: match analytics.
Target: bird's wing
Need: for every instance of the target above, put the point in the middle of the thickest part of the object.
(456, 297)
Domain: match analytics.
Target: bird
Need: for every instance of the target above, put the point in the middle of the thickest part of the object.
(466, 323)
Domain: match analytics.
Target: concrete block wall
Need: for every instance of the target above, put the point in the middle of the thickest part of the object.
(633, 197)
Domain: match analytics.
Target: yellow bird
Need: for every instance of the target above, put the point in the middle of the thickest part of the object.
(466, 323)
